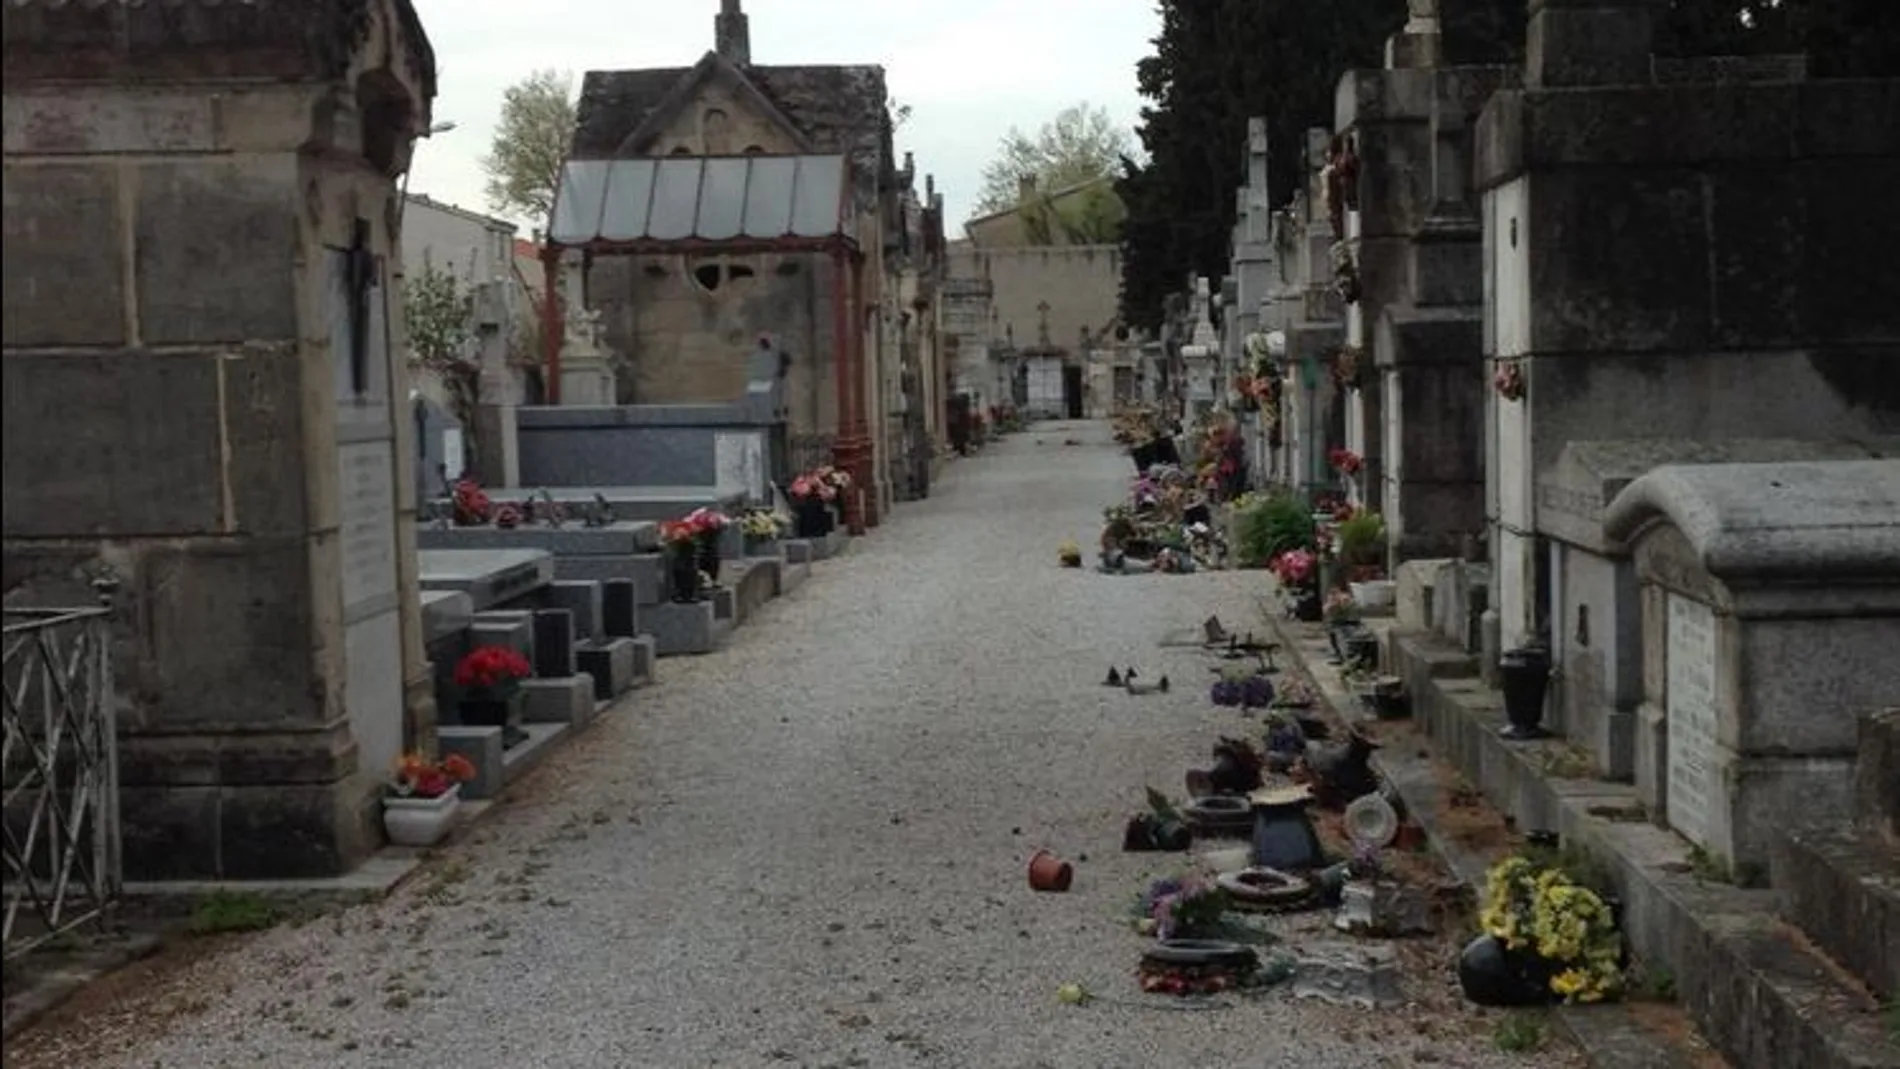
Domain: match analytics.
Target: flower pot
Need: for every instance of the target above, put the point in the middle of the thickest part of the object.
(1144, 456)
(1148, 833)
(420, 821)
(682, 573)
(1048, 872)
(761, 547)
(495, 709)
(1525, 676)
(1376, 593)
(1283, 836)
(1492, 975)
(706, 552)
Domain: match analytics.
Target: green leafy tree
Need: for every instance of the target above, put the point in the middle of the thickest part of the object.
(1081, 144)
(440, 324)
(523, 164)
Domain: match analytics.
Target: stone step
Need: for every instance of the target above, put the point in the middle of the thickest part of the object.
(1841, 887)
(688, 628)
(495, 767)
(612, 664)
(567, 700)
(755, 582)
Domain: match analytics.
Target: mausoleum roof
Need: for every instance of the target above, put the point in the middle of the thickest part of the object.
(682, 201)
(1779, 520)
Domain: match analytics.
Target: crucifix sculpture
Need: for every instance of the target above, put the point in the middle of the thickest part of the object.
(359, 280)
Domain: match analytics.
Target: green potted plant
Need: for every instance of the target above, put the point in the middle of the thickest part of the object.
(1360, 538)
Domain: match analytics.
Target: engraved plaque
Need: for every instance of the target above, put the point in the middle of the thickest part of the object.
(366, 494)
(739, 463)
(1694, 784)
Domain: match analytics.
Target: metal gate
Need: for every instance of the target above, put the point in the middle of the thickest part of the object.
(61, 773)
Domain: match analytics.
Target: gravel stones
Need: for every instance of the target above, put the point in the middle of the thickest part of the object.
(710, 875)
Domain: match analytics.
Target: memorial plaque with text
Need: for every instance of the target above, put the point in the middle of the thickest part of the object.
(367, 528)
(739, 463)
(1694, 783)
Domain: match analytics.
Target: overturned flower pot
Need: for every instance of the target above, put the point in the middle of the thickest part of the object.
(1050, 873)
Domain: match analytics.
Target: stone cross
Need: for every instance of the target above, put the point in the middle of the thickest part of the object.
(1042, 329)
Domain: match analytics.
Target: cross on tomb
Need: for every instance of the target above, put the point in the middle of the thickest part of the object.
(359, 280)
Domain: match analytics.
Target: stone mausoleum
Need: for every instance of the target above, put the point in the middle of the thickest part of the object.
(733, 160)
(201, 231)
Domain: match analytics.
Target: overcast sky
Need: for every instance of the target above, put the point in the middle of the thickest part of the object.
(969, 69)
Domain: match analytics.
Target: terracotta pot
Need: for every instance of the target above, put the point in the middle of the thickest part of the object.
(1048, 872)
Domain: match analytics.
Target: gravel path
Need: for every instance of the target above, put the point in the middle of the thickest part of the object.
(808, 849)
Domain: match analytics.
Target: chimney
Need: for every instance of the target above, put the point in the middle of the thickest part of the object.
(1026, 188)
(732, 37)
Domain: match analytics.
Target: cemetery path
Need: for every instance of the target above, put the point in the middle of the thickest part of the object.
(809, 848)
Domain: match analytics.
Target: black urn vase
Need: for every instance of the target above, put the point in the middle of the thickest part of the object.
(682, 573)
(811, 518)
(706, 554)
(1493, 975)
(1309, 608)
(495, 709)
(1525, 675)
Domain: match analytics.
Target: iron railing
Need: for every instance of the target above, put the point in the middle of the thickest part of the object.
(61, 774)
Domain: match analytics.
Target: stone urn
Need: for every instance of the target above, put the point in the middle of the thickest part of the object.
(412, 821)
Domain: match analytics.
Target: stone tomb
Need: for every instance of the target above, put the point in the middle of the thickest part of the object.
(1594, 604)
(735, 447)
(489, 577)
(1770, 616)
(201, 215)
(628, 550)
(508, 597)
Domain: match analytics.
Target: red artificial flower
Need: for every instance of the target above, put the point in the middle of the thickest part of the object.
(489, 667)
(470, 504)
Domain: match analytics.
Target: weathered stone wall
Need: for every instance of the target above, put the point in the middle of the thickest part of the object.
(687, 344)
(1659, 253)
(174, 414)
(1080, 283)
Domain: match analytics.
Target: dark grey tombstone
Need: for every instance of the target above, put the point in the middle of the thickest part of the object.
(553, 643)
(620, 608)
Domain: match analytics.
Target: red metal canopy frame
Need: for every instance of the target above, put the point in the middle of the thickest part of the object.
(852, 448)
